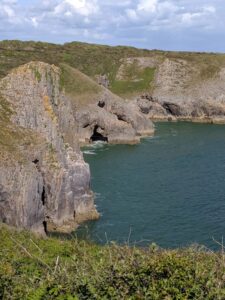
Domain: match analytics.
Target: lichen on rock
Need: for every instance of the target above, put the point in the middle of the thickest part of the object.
(43, 177)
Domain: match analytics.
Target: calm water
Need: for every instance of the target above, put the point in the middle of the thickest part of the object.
(170, 189)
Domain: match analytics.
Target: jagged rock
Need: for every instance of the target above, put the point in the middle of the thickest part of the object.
(51, 183)
(129, 112)
(172, 108)
(94, 119)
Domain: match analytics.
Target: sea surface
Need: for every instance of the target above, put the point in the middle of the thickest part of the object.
(168, 190)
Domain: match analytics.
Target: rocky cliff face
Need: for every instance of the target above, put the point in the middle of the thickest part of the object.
(190, 88)
(188, 92)
(44, 180)
(100, 114)
(113, 120)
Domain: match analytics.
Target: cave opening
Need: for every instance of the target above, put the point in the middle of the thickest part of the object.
(43, 196)
(45, 226)
(101, 103)
(36, 161)
(96, 136)
(172, 108)
(120, 117)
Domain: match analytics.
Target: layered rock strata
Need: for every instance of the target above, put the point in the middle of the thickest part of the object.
(44, 181)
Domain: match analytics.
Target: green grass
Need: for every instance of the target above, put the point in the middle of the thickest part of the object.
(35, 268)
(136, 81)
(75, 83)
(81, 88)
(93, 60)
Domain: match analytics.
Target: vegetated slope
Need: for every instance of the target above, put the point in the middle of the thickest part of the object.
(130, 71)
(99, 113)
(34, 268)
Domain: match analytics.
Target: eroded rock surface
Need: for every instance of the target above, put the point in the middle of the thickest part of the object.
(115, 120)
(43, 177)
(117, 123)
(179, 94)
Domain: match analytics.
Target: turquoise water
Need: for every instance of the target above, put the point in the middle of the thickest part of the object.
(170, 189)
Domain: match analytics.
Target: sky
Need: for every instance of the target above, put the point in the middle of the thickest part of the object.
(189, 25)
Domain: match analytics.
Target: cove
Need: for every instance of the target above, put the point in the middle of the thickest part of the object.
(168, 190)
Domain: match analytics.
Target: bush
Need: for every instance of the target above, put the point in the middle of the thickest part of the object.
(35, 268)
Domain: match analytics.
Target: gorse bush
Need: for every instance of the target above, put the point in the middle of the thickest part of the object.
(35, 268)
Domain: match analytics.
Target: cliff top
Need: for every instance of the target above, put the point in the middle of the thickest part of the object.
(126, 69)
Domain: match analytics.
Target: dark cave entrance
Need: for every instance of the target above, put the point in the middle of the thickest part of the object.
(43, 196)
(45, 227)
(96, 136)
(101, 103)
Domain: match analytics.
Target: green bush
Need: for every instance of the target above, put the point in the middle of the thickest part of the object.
(35, 268)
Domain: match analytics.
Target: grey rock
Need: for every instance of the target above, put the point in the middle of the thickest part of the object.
(114, 121)
(52, 183)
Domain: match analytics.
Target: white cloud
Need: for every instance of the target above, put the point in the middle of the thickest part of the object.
(34, 22)
(8, 11)
(146, 23)
(147, 5)
(82, 7)
(209, 9)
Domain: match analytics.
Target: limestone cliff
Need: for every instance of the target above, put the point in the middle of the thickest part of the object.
(184, 86)
(44, 180)
(100, 114)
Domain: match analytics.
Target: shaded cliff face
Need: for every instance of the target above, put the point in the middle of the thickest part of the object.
(43, 177)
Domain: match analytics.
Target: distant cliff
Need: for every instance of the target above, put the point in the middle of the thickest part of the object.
(183, 85)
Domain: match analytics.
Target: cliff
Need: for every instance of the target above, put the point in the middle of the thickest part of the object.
(44, 180)
(100, 114)
(46, 113)
(183, 85)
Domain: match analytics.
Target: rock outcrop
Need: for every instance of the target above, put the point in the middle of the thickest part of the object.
(180, 95)
(114, 121)
(185, 86)
(44, 181)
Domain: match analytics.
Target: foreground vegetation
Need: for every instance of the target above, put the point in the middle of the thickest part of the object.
(36, 268)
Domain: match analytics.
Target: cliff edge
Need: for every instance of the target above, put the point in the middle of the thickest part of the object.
(44, 181)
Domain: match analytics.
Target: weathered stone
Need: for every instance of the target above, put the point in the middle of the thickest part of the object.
(52, 184)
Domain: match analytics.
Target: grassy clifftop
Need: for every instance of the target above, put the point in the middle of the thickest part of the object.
(95, 60)
(35, 268)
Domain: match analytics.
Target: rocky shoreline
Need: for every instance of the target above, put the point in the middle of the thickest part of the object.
(44, 180)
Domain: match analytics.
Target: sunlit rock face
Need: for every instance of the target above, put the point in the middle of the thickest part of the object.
(44, 181)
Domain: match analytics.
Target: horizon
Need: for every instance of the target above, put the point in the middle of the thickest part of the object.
(108, 45)
(166, 25)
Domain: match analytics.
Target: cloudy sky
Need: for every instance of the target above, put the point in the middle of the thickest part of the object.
(197, 25)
